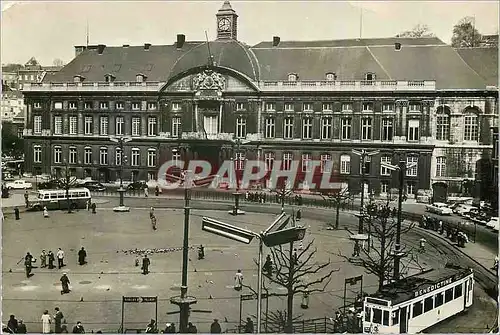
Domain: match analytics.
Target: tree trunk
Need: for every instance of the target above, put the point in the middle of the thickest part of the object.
(337, 216)
(382, 265)
(289, 311)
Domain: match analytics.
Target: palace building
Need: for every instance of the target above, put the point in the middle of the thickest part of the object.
(417, 100)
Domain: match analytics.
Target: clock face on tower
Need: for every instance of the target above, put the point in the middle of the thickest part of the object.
(224, 24)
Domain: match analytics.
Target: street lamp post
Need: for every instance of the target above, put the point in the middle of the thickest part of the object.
(121, 191)
(237, 194)
(67, 183)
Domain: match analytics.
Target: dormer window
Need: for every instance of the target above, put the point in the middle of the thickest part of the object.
(140, 78)
(78, 78)
(293, 77)
(370, 76)
(331, 76)
(109, 78)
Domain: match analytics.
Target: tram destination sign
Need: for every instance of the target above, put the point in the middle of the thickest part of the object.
(433, 287)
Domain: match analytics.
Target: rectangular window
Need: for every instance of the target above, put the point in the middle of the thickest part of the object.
(57, 155)
(442, 128)
(417, 309)
(72, 105)
(176, 106)
(347, 107)
(377, 315)
(37, 124)
(385, 320)
(346, 128)
(368, 314)
(73, 122)
(103, 125)
(270, 127)
(383, 170)
(152, 126)
(120, 122)
(448, 295)
(367, 106)
(411, 188)
(411, 166)
(307, 107)
(103, 105)
(326, 163)
(151, 176)
(240, 106)
(72, 155)
(136, 106)
(414, 108)
(136, 126)
(58, 105)
(458, 291)
(288, 128)
(119, 105)
(326, 128)
(387, 129)
(366, 128)
(241, 127)
(87, 105)
(471, 128)
(287, 161)
(307, 125)
(440, 166)
(269, 160)
(211, 125)
(135, 157)
(327, 107)
(87, 156)
(103, 156)
(151, 106)
(387, 107)
(306, 162)
(118, 156)
(240, 161)
(384, 187)
(89, 128)
(37, 105)
(413, 130)
(176, 126)
(151, 158)
(37, 154)
(58, 125)
(345, 164)
(270, 106)
(367, 167)
(288, 107)
(428, 304)
(438, 299)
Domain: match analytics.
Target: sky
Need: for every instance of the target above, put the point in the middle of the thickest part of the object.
(50, 30)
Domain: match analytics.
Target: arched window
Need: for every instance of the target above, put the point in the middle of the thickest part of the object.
(330, 76)
(442, 123)
(370, 76)
(140, 78)
(103, 156)
(152, 157)
(293, 77)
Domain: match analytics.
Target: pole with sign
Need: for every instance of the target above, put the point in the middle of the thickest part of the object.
(137, 300)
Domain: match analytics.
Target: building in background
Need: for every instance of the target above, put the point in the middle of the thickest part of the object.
(411, 99)
(17, 75)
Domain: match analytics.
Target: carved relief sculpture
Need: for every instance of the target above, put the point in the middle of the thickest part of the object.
(209, 80)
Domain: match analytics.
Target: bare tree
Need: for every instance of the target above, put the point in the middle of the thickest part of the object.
(418, 31)
(465, 34)
(338, 199)
(67, 183)
(380, 259)
(58, 62)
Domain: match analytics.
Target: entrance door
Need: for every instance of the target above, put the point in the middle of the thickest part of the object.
(403, 320)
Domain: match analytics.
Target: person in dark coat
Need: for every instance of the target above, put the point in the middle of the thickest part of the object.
(78, 328)
(192, 328)
(21, 328)
(51, 258)
(16, 213)
(81, 256)
(151, 327)
(249, 326)
(58, 318)
(28, 264)
(145, 265)
(215, 327)
(93, 206)
(268, 266)
(12, 324)
(65, 283)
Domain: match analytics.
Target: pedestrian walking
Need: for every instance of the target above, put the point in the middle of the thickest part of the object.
(43, 259)
(422, 244)
(78, 328)
(215, 327)
(268, 266)
(170, 328)
(12, 324)
(157, 190)
(51, 258)
(356, 249)
(146, 192)
(93, 206)
(151, 212)
(45, 212)
(21, 328)
(60, 258)
(64, 283)
(145, 265)
(58, 318)
(299, 215)
(26, 201)
(16, 213)
(192, 328)
(249, 326)
(238, 280)
(201, 252)
(81, 256)
(151, 327)
(153, 222)
(46, 321)
(88, 204)
(28, 264)
(495, 265)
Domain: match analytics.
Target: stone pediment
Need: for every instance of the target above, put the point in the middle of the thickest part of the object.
(209, 80)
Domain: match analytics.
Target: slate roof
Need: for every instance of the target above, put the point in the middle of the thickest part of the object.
(484, 61)
(418, 59)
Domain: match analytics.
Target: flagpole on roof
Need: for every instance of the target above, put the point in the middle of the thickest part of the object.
(87, 32)
(361, 22)
(210, 58)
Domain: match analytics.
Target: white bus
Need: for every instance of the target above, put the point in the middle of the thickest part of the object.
(416, 303)
(56, 199)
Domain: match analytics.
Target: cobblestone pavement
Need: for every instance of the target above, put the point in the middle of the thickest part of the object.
(97, 287)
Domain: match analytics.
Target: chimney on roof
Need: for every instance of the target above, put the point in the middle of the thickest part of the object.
(126, 45)
(397, 46)
(276, 41)
(79, 49)
(147, 46)
(100, 48)
(181, 38)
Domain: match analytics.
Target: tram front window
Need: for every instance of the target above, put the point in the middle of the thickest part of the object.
(458, 291)
(395, 317)
(368, 314)
(439, 299)
(386, 318)
(377, 316)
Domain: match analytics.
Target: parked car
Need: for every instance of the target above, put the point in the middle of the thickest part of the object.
(493, 223)
(463, 209)
(137, 185)
(50, 185)
(18, 185)
(439, 208)
(93, 186)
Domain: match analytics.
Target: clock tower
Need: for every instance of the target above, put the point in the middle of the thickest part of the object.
(227, 22)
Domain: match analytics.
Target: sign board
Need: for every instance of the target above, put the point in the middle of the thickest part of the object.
(226, 230)
(131, 299)
(140, 299)
(284, 236)
(149, 299)
(433, 287)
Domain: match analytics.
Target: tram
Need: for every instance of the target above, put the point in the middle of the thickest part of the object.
(418, 302)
